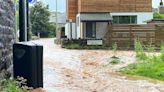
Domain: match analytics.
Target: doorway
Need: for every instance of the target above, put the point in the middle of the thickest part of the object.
(90, 29)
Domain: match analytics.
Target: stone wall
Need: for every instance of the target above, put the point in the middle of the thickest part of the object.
(7, 38)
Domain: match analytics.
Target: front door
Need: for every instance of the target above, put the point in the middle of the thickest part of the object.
(90, 30)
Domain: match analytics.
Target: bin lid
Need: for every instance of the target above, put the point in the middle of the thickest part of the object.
(27, 43)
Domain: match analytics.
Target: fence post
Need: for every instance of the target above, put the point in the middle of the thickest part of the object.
(110, 35)
(107, 36)
(156, 31)
(130, 28)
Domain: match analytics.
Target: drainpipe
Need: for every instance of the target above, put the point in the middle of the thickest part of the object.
(70, 28)
(57, 34)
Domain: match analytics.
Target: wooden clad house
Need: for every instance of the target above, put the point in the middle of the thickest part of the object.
(89, 19)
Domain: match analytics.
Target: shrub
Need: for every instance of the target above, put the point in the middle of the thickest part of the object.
(79, 44)
(152, 68)
(73, 46)
(162, 52)
(115, 61)
(140, 54)
(9, 86)
(157, 15)
(150, 48)
(114, 48)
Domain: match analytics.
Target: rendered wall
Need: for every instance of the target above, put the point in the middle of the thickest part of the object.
(70, 30)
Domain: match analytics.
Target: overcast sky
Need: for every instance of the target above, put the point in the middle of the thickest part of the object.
(61, 4)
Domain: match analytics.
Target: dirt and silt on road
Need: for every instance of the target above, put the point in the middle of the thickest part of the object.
(89, 71)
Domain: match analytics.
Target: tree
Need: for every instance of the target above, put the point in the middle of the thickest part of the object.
(157, 15)
(39, 17)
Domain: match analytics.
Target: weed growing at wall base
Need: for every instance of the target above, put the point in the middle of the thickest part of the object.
(8, 85)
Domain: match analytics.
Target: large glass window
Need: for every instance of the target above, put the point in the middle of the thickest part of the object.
(90, 29)
(125, 19)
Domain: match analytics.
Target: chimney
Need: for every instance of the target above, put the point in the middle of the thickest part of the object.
(161, 3)
(161, 8)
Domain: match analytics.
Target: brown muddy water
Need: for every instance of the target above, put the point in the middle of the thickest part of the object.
(88, 71)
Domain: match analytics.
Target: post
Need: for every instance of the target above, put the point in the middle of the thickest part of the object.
(131, 35)
(70, 21)
(57, 20)
(22, 21)
(71, 29)
(15, 5)
(28, 20)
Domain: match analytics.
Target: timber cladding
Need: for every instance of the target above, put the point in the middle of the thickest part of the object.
(115, 6)
(78, 6)
(71, 9)
(125, 35)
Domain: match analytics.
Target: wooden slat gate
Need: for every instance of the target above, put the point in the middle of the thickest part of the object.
(159, 35)
(125, 35)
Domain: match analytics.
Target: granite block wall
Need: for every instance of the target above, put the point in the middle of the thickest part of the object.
(7, 37)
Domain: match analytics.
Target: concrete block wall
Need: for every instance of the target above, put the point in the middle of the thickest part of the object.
(7, 37)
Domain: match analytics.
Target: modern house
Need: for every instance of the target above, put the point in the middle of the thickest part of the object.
(61, 18)
(90, 19)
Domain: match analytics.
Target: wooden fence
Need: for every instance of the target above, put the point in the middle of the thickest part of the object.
(125, 35)
(159, 34)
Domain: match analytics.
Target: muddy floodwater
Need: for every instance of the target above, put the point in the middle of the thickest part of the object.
(89, 71)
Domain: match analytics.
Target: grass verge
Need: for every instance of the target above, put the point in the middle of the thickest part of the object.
(151, 66)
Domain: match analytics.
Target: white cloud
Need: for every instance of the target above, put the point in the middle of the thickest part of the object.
(155, 3)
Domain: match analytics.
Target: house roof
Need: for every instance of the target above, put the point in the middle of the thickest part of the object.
(156, 21)
(95, 17)
(61, 18)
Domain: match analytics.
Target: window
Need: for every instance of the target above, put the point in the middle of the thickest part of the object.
(90, 29)
(125, 19)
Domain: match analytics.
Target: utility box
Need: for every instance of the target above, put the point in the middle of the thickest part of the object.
(28, 63)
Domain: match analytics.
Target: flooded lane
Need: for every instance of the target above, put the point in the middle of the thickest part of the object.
(88, 71)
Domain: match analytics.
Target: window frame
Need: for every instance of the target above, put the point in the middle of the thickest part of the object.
(118, 19)
(93, 30)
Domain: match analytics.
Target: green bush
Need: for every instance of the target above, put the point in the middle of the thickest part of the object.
(75, 45)
(115, 61)
(9, 86)
(157, 15)
(72, 46)
(114, 48)
(78, 46)
(140, 54)
(162, 52)
(152, 67)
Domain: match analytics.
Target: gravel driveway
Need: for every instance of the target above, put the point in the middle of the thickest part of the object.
(88, 71)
